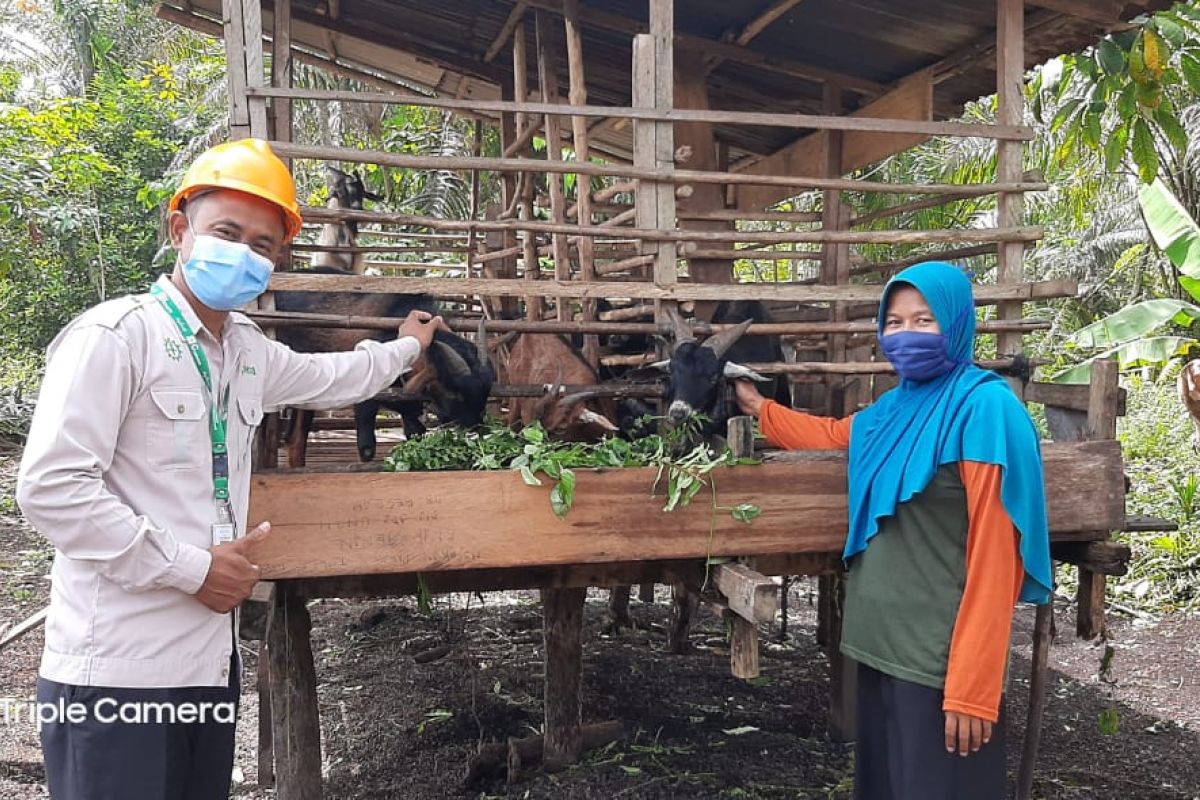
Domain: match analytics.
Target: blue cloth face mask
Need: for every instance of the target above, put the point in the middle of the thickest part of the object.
(225, 275)
(917, 355)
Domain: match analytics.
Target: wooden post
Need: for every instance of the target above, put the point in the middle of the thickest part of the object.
(295, 718)
(281, 70)
(583, 183)
(843, 671)
(1101, 424)
(547, 59)
(267, 443)
(562, 628)
(1039, 672)
(472, 235)
(235, 57)
(744, 658)
(696, 149)
(266, 747)
(252, 41)
(529, 248)
(1103, 403)
(1010, 72)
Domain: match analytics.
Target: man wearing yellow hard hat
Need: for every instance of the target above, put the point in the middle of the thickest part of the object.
(137, 469)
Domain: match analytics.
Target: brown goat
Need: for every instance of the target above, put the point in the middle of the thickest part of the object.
(554, 362)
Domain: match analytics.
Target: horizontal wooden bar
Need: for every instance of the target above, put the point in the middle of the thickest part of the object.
(1027, 233)
(280, 319)
(748, 593)
(1063, 395)
(516, 287)
(628, 573)
(433, 522)
(718, 117)
(405, 161)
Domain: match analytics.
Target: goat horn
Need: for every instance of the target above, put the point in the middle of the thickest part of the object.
(720, 343)
(737, 371)
(593, 418)
(577, 397)
(481, 348)
(682, 332)
(456, 365)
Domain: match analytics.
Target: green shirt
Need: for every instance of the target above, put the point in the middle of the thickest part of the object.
(904, 590)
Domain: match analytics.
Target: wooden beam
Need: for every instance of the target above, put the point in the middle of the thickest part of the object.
(515, 18)
(296, 733)
(911, 100)
(791, 181)
(577, 77)
(726, 50)
(547, 64)
(764, 20)
(1063, 395)
(430, 522)
(441, 287)
(749, 594)
(235, 58)
(1100, 12)
(891, 119)
(1010, 90)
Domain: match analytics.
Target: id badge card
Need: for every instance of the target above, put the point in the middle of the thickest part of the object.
(223, 533)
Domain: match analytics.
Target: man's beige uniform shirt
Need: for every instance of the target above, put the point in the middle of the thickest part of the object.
(117, 474)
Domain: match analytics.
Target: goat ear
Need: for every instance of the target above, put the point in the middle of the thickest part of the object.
(737, 371)
(455, 364)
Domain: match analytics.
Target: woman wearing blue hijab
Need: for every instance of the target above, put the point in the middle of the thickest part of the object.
(947, 530)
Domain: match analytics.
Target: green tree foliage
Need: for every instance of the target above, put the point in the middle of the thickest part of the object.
(81, 165)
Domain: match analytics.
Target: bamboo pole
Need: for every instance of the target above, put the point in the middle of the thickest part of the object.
(583, 183)
(405, 161)
(547, 63)
(817, 367)
(491, 287)
(1008, 132)
(1010, 211)
(617, 323)
(669, 234)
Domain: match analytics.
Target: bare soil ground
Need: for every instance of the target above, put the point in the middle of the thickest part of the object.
(393, 728)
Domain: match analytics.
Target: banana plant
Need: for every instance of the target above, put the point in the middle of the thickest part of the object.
(1129, 335)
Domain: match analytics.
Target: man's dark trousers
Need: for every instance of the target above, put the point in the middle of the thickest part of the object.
(96, 760)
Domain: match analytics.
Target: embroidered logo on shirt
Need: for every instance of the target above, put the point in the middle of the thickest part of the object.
(249, 370)
(173, 348)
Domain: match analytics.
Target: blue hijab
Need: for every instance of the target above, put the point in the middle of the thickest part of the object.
(966, 414)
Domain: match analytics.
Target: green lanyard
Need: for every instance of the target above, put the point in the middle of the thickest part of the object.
(217, 412)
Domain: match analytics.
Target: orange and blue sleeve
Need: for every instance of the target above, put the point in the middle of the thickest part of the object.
(979, 646)
(794, 430)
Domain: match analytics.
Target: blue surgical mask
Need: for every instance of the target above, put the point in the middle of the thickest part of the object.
(225, 275)
(917, 355)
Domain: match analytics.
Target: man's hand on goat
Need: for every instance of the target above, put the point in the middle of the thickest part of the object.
(421, 326)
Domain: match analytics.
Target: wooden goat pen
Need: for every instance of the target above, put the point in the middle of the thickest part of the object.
(680, 154)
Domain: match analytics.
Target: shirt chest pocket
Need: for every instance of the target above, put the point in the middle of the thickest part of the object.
(249, 415)
(177, 434)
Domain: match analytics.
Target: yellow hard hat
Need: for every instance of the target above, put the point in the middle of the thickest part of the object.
(247, 165)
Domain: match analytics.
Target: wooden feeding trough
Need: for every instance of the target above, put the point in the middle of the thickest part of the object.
(686, 132)
(461, 531)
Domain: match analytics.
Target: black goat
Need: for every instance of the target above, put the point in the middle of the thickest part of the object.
(451, 380)
(699, 373)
